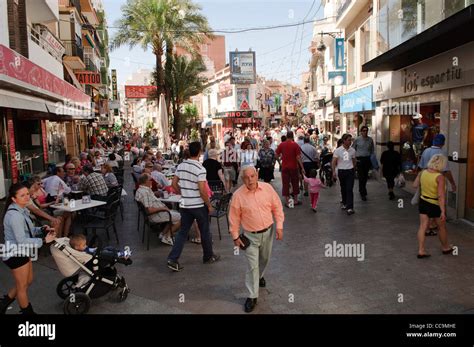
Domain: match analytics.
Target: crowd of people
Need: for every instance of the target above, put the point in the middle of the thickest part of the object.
(202, 173)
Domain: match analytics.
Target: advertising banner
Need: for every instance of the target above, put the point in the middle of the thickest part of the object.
(242, 68)
(88, 77)
(339, 53)
(243, 99)
(139, 92)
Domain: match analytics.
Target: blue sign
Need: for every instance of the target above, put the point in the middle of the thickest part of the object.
(339, 53)
(337, 78)
(358, 100)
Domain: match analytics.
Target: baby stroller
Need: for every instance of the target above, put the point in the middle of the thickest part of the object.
(87, 276)
(325, 173)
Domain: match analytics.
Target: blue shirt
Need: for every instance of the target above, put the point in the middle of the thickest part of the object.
(16, 231)
(428, 154)
(419, 132)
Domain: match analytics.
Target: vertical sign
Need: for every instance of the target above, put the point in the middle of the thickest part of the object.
(45, 141)
(114, 89)
(11, 133)
(339, 53)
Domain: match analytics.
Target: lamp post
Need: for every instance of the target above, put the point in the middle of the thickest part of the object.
(322, 47)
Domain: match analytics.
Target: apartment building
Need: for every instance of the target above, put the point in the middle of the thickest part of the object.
(38, 107)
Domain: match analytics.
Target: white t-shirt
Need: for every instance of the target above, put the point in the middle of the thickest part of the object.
(344, 158)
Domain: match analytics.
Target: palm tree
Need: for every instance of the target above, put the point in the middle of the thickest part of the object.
(157, 23)
(185, 81)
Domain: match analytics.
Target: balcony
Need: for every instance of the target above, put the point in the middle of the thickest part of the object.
(71, 3)
(91, 59)
(39, 11)
(45, 49)
(74, 55)
(348, 10)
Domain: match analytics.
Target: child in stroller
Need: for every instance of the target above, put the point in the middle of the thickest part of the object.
(87, 276)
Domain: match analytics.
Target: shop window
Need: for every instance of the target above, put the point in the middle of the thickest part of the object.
(56, 133)
(351, 60)
(29, 143)
(365, 47)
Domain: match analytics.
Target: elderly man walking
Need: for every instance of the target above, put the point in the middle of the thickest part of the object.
(259, 203)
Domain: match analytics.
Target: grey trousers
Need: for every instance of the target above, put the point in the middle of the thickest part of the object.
(258, 255)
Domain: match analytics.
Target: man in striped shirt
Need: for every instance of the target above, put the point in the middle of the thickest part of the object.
(190, 182)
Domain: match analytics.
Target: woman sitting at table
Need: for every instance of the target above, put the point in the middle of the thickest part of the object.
(77, 165)
(159, 158)
(109, 176)
(112, 162)
(59, 220)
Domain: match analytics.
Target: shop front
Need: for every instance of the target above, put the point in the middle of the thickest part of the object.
(418, 102)
(234, 120)
(35, 107)
(357, 109)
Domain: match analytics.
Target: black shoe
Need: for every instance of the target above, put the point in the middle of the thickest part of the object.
(391, 195)
(213, 259)
(305, 193)
(364, 197)
(350, 211)
(4, 303)
(28, 310)
(262, 283)
(174, 265)
(250, 304)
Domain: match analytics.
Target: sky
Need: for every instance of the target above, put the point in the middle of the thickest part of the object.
(281, 53)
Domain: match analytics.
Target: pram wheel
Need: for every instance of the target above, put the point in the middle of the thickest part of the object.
(77, 303)
(66, 286)
(123, 294)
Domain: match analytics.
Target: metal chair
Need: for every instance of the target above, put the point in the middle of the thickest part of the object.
(104, 220)
(221, 209)
(149, 225)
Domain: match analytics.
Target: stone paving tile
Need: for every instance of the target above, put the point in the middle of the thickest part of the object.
(299, 266)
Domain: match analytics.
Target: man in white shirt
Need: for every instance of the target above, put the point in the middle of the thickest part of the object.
(159, 177)
(55, 185)
(344, 158)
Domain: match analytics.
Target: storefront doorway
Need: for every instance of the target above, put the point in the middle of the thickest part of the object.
(470, 166)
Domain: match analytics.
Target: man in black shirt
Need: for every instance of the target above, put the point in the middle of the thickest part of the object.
(391, 166)
(214, 170)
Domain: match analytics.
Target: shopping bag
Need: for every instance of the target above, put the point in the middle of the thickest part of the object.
(400, 181)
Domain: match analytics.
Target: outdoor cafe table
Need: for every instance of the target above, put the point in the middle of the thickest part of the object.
(79, 205)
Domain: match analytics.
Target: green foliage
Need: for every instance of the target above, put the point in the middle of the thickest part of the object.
(194, 136)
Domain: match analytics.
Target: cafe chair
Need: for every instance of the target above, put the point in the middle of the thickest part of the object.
(220, 211)
(104, 219)
(150, 226)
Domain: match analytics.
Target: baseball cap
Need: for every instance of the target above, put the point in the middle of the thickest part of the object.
(417, 116)
(439, 140)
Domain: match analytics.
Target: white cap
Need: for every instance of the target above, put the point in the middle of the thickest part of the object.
(417, 116)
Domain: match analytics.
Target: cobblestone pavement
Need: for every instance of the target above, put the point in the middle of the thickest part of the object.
(300, 278)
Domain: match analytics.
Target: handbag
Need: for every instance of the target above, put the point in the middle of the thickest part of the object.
(416, 197)
(314, 163)
(245, 241)
(400, 181)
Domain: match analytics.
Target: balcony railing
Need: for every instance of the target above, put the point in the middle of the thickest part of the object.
(44, 38)
(343, 5)
(73, 49)
(91, 59)
(71, 3)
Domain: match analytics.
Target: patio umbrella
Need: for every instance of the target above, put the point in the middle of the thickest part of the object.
(163, 124)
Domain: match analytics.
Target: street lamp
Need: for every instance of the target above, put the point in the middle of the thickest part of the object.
(322, 47)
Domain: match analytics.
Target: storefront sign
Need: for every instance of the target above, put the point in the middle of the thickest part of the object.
(88, 77)
(339, 53)
(45, 141)
(242, 68)
(358, 100)
(11, 139)
(140, 92)
(236, 114)
(445, 71)
(15, 66)
(454, 115)
(114, 85)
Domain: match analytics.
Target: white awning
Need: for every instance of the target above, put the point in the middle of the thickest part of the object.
(21, 101)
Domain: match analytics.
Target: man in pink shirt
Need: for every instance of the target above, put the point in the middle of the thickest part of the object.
(259, 203)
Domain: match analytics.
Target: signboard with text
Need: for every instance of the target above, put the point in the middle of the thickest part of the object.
(88, 77)
(114, 85)
(242, 68)
(140, 92)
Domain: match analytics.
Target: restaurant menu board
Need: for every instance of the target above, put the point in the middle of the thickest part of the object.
(14, 166)
(45, 141)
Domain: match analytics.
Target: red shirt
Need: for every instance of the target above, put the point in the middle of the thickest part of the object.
(289, 151)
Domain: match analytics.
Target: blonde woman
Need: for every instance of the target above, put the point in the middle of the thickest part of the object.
(433, 203)
(109, 176)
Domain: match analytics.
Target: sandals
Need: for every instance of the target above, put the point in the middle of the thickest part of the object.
(196, 240)
(449, 251)
(431, 232)
(421, 256)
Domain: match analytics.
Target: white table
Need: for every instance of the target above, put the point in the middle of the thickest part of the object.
(174, 199)
(79, 205)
